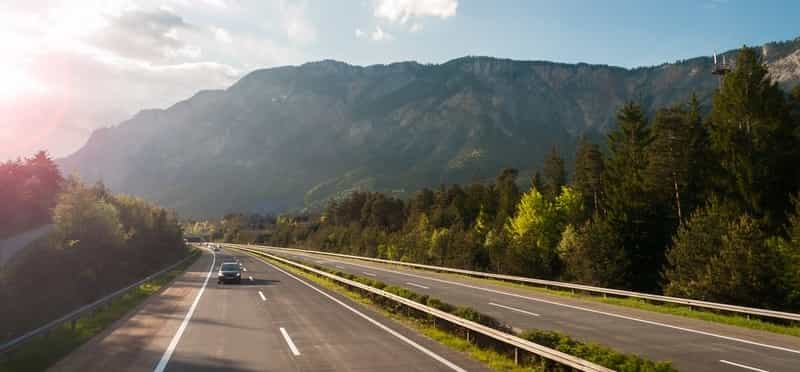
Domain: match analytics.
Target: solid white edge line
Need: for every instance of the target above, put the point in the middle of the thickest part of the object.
(340, 267)
(370, 274)
(417, 285)
(262, 296)
(405, 339)
(513, 309)
(177, 337)
(729, 338)
(289, 342)
(742, 366)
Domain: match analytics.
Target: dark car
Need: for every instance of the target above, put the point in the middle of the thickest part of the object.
(229, 272)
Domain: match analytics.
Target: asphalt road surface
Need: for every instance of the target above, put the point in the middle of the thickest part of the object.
(272, 322)
(692, 345)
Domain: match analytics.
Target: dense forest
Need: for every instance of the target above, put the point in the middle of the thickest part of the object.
(101, 242)
(28, 191)
(685, 201)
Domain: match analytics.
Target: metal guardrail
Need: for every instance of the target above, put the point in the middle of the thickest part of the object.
(509, 339)
(80, 312)
(586, 288)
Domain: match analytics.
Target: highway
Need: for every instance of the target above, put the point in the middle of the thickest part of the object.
(273, 321)
(692, 345)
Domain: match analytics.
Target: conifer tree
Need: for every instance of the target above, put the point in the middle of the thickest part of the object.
(628, 202)
(753, 137)
(588, 175)
(554, 174)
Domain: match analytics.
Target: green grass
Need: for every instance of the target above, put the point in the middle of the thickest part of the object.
(664, 308)
(41, 352)
(492, 359)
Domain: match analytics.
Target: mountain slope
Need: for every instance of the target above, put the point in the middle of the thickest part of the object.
(295, 136)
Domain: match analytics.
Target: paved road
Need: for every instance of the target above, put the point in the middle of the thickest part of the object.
(274, 322)
(9, 247)
(692, 345)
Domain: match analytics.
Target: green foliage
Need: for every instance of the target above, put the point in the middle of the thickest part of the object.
(754, 139)
(721, 255)
(629, 218)
(84, 216)
(28, 191)
(588, 175)
(554, 174)
(536, 228)
(104, 239)
(42, 352)
(593, 254)
(628, 202)
(598, 354)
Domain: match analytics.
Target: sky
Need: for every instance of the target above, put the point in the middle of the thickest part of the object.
(68, 67)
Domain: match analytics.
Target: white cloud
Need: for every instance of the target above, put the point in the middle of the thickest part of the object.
(360, 34)
(416, 27)
(222, 35)
(400, 11)
(299, 27)
(380, 35)
(75, 67)
(144, 34)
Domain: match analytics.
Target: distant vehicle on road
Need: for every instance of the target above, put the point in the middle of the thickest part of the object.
(229, 271)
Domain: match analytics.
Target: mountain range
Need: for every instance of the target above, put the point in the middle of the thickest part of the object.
(292, 137)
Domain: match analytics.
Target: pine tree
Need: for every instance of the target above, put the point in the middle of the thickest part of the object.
(693, 246)
(752, 135)
(507, 195)
(593, 254)
(554, 174)
(537, 181)
(627, 203)
(588, 175)
(670, 159)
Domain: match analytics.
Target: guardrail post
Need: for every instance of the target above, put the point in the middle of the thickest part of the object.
(516, 356)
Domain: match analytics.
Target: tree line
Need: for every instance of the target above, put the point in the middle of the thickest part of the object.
(687, 201)
(101, 242)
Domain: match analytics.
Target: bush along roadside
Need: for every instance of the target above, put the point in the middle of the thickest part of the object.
(595, 353)
(43, 351)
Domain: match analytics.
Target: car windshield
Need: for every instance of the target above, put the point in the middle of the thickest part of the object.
(230, 267)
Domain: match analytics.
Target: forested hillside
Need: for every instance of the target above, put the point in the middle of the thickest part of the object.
(681, 202)
(293, 137)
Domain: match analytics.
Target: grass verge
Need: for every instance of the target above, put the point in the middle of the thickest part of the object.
(41, 352)
(487, 351)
